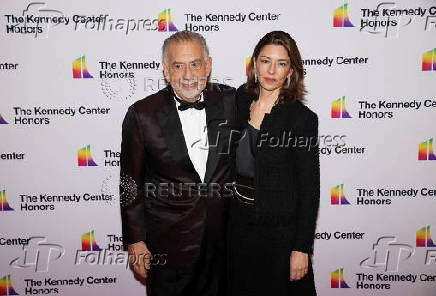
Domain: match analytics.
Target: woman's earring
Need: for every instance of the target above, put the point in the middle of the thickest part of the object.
(288, 81)
(255, 76)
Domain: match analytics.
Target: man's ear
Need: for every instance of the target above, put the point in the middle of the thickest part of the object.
(166, 72)
(208, 66)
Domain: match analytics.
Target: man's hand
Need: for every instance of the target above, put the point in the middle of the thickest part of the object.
(298, 265)
(139, 257)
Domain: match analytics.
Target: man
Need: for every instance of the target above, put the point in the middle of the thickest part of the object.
(175, 174)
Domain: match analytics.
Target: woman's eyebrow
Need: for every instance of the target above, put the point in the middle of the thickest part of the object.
(286, 60)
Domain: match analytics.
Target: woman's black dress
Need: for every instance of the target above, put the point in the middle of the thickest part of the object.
(258, 252)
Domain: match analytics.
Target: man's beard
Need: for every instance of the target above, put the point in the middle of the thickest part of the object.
(194, 92)
(190, 94)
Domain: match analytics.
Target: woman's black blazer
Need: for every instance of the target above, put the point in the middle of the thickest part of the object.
(287, 174)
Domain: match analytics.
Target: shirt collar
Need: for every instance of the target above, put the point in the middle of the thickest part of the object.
(198, 100)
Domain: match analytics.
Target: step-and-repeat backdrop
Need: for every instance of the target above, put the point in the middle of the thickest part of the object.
(70, 69)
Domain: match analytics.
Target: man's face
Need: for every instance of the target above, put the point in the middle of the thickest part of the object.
(186, 69)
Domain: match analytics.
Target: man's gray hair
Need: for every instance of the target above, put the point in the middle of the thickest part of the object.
(184, 36)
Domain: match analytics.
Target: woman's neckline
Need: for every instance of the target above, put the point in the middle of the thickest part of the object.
(252, 126)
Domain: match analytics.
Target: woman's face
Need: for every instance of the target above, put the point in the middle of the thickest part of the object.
(273, 66)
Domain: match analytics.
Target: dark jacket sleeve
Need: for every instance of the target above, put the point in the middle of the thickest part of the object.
(242, 106)
(307, 173)
(132, 172)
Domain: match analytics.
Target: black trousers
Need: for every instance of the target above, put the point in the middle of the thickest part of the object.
(207, 277)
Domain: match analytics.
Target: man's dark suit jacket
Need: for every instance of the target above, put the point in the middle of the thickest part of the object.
(153, 152)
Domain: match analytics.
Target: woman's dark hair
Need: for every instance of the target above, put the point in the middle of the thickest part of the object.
(296, 89)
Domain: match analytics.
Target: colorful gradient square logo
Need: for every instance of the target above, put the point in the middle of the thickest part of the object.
(339, 110)
(335, 199)
(425, 150)
(423, 237)
(4, 203)
(89, 243)
(340, 17)
(164, 23)
(429, 60)
(6, 286)
(337, 279)
(79, 68)
(84, 157)
(2, 120)
(247, 63)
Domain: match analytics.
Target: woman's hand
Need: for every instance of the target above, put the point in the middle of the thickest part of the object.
(298, 262)
(139, 258)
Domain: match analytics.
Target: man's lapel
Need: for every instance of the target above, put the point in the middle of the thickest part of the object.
(214, 118)
(171, 129)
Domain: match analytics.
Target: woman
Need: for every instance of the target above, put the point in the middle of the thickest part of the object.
(276, 191)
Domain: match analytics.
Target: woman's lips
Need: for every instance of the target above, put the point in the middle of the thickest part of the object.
(269, 80)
